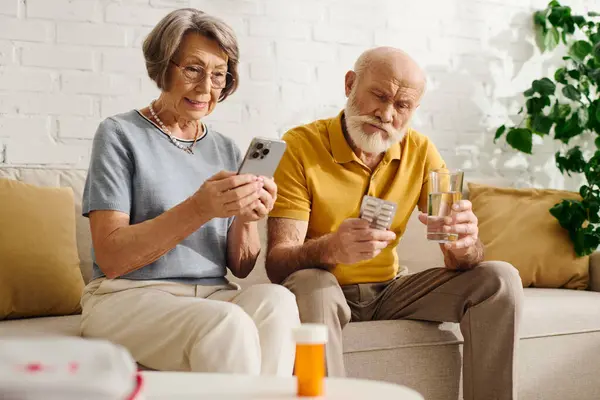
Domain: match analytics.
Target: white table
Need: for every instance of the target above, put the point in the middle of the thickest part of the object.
(188, 386)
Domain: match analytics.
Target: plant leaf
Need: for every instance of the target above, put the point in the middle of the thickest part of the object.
(595, 113)
(520, 139)
(544, 86)
(560, 75)
(597, 50)
(567, 129)
(551, 38)
(499, 132)
(541, 124)
(574, 74)
(595, 75)
(540, 37)
(529, 92)
(558, 14)
(535, 105)
(593, 14)
(579, 20)
(539, 18)
(560, 111)
(597, 142)
(572, 161)
(571, 92)
(580, 50)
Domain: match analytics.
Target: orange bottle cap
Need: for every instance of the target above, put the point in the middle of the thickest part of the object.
(310, 334)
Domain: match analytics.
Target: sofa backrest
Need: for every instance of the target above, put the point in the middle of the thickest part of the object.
(414, 251)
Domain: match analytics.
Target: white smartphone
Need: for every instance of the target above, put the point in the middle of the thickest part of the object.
(262, 157)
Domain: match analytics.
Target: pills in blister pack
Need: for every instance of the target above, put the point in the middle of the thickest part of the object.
(379, 213)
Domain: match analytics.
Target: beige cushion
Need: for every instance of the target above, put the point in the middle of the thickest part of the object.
(551, 312)
(515, 225)
(74, 179)
(48, 326)
(39, 265)
(547, 312)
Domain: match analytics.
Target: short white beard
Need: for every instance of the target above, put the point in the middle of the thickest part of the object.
(369, 143)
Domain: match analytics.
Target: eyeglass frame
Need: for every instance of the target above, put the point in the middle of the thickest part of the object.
(228, 76)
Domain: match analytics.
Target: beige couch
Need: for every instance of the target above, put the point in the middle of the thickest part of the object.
(560, 335)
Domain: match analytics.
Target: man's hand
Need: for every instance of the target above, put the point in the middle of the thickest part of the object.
(467, 250)
(355, 241)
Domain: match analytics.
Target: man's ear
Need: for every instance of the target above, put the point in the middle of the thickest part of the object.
(350, 80)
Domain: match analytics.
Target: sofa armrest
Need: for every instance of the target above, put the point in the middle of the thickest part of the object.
(595, 271)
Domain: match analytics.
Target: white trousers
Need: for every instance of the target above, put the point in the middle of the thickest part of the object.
(177, 327)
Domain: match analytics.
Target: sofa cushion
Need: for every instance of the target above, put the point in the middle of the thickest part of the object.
(47, 326)
(551, 312)
(547, 312)
(74, 179)
(39, 265)
(515, 225)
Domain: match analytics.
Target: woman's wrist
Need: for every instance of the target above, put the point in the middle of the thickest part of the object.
(197, 211)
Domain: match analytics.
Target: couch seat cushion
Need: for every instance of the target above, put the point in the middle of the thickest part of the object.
(46, 326)
(547, 312)
(550, 312)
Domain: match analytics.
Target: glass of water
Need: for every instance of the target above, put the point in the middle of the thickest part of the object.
(445, 189)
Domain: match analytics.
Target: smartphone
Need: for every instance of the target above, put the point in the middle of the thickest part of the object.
(262, 157)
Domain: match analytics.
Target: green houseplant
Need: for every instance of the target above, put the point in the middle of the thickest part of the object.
(563, 107)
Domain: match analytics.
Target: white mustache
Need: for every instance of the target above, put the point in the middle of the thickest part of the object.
(373, 121)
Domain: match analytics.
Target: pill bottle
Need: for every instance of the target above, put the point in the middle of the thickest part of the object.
(310, 359)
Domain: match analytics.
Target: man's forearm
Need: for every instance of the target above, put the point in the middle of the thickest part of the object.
(285, 259)
(467, 260)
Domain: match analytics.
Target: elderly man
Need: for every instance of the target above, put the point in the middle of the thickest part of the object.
(341, 270)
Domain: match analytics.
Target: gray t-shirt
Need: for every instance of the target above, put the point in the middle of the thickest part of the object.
(135, 169)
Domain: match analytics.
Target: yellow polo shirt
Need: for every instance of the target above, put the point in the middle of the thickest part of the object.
(322, 181)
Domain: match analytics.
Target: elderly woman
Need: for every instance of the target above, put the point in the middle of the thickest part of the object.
(168, 217)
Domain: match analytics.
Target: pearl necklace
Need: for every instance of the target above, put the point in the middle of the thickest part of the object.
(174, 140)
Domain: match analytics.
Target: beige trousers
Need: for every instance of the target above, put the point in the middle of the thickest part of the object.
(486, 301)
(177, 327)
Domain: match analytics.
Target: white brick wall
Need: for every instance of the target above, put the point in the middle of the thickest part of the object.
(67, 64)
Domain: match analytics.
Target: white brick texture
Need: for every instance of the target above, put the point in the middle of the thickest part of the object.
(26, 30)
(9, 7)
(91, 34)
(67, 64)
(65, 10)
(26, 80)
(57, 56)
(7, 53)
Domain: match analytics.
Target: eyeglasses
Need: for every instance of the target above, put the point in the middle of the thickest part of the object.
(196, 74)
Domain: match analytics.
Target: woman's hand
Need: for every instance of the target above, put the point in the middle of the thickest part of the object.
(227, 194)
(267, 197)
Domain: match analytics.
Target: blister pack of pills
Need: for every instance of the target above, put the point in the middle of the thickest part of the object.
(379, 213)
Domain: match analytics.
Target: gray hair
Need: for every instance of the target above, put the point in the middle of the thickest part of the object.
(163, 42)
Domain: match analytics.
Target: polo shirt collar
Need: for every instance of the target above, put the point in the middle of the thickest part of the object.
(341, 150)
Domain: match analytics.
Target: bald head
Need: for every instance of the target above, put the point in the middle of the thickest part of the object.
(383, 90)
(392, 63)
